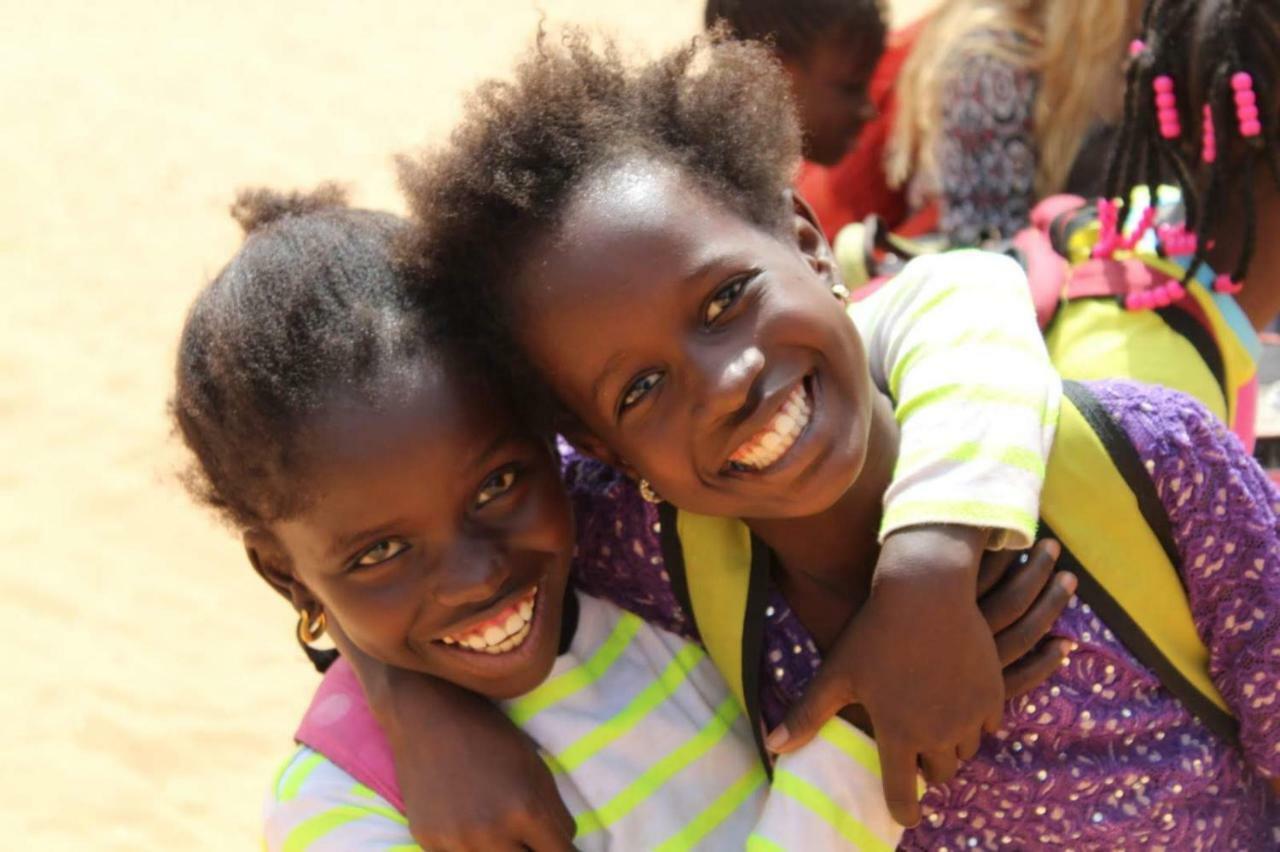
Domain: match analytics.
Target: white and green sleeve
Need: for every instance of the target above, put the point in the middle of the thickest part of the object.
(315, 806)
(954, 341)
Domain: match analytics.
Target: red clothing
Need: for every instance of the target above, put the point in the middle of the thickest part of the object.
(856, 187)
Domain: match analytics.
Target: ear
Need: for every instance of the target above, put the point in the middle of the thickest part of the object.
(811, 241)
(273, 565)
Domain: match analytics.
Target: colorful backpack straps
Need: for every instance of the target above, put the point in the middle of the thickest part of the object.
(1098, 500)
(727, 597)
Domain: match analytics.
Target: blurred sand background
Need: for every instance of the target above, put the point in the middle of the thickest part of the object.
(152, 681)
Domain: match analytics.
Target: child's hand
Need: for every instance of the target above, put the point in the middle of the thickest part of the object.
(1021, 598)
(922, 659)
(470, 778)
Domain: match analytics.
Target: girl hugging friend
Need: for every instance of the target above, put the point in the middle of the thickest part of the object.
(627, 232)
(388, 488)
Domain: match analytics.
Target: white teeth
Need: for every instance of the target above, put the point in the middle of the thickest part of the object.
(498, 638)
(779, 434)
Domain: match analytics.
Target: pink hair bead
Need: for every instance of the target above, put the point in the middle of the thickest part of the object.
(1137, 46)
(1224, 284)
(1208, 141)
(1166, 107)
(1246, 104)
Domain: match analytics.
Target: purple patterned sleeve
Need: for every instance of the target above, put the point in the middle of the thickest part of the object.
(1223, 511)
(619, 553)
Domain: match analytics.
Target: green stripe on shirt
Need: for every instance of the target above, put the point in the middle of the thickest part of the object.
(717, 812)
(676, 673)
(968, 513)
(295, 778)
(970, 451)
(997, 337)
(795, 787)
(972, 393)
(653, 778)
(314, 829)
(522, 709)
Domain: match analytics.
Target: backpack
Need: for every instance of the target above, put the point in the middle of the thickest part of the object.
(1201, 343)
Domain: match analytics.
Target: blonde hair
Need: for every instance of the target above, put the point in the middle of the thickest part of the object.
(1075, 47)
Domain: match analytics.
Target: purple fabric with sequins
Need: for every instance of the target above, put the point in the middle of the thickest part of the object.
(1100, 755)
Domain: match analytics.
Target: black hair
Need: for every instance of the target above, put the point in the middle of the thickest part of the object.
(793, 26)
(312, 305)
(718, 110)
(1201, 45)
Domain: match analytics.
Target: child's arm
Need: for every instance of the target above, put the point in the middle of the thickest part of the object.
(955, 342)
(469, 777)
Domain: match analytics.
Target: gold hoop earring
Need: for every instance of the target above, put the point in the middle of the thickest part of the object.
(310, 629)
(647, 492)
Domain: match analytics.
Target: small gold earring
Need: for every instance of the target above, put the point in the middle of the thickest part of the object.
(840, 291)
(310, 629)
(647, 492)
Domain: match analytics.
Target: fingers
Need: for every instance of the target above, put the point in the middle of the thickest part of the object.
(1018, 590)
(995, 564)
(1024, 634)
(1035, 668)
(939, 766)
(827, 695)
(545, 833)
(898, 765)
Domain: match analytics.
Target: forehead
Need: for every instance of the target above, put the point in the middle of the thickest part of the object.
(431, 416)
(629, 226)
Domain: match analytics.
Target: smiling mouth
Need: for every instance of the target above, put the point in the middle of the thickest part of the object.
(504, 632)
(766, 448)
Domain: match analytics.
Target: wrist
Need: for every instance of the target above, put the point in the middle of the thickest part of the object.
(942, 556)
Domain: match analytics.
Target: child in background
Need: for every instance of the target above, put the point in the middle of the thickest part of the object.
(729, 385)
(384, 487)
(842, 69)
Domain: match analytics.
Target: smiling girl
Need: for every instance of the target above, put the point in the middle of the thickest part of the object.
(390, 490)
(652, 202)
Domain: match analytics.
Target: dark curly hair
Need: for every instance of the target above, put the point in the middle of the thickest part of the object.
(1201, 45)
(792, 26)
(311, 305)
(717, 109)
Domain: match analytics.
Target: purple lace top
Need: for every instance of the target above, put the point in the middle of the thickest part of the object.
(1101, 755)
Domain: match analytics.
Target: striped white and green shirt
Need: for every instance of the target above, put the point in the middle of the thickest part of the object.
(974, 440)
(650, 751)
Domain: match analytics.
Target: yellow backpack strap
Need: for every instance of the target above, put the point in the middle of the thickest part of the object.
(720, 574)
(1100, 502)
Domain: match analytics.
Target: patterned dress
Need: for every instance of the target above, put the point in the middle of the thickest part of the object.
(1101, 755)
(986, 149)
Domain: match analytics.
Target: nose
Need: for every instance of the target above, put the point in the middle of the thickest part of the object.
(471, 571)
(729, 381)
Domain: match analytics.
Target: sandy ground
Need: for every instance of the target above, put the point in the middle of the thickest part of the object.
(153, 682)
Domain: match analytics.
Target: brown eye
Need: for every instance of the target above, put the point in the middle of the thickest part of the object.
(637, 390)
(380, 552)
(723, 300)
(498, 483)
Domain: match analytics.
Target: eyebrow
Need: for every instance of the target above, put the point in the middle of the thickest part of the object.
(701, 271)
(341, 545)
